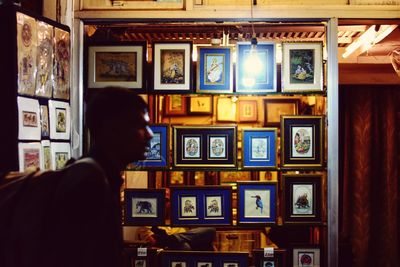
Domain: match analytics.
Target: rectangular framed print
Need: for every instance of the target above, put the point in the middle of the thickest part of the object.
(61, 64)
(257, 202)
(226, 109)
(255, 68)
(302, 68)
(262, 259)
(60, 154)
(175, 105)
(157, 156)
(44, 59)
(248, 110)
(203, 205)
(259, 148)
(144, 206)
(201, 105)
(172, 67)
(30, 156)
(302, 198)
(275, 108)
(46, 153)
(44, 121)
(214, 70)
(60, 120)
(29, 127)
(201, 146)
(302, 141)
(117, 65)
(306, 256)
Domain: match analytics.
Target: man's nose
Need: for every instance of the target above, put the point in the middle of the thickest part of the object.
(149, 133)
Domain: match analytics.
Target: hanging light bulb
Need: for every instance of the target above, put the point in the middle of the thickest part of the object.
(253, 64)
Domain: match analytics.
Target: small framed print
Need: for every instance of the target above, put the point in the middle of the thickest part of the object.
(117, 65)
(30, 156)
(139, 263)
(61, 64)
(259, 148)
(217, 147)
(201, 105)
(44, 59)
(203, 205)
(60, 154)
(172, 64)
(44, 120)
(175, 105)
(275, 108)
(29, 127)
(46, 152)
(302, 68)
(256, 202)
(204, 264)
(277, 259)
(226, 111)
(302, 198)
(144, 206)
(248, 110)
(157, 154)
(306, 256)
(181, 258)
(60, 120)
(214, 70)
(255, 68)
(302, 141)
(191, 148)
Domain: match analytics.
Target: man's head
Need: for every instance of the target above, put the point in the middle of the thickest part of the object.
(118, 122)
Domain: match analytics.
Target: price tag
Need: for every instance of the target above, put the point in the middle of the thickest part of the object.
(142, 252)
(268, 252)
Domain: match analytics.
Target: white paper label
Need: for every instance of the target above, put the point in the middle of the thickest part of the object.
(268, 252)
(142, 252)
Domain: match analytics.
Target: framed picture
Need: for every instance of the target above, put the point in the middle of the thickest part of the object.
(44, 121)
(172, 67)
(248, 110)
(175, 105)
(46, 153)
(204, 147)
(234, 176)
(157, 156)
(61, 64)
(255, 68)
(302, 198)
(302, 68)
(201, 105)
(306, 255)
(262, 259)
(117, 65)
(302, 141)
(29, 127)
(204, 205)
(30, 156)
(60, 120)
(257, 202)
(44, 60)
(259, 148)
(275, 108)
(144, 206)
(226, 111)
(60, 154)
(214, 70)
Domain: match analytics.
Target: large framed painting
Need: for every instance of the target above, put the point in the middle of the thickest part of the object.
(302, 194)
(204, 146)
(60, 120)
(144, 206)
(172, 65)
(259, 148)
(117, 65)
(29, 127)
(201, 205)
(157, 155)
(257, 202)
(306, 255)
(277, 107)
(302, 140)
(214, 70)
(255, 68)
(302, 68)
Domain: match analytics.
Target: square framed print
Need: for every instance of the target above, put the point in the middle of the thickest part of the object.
(201, 105)
(60, 154)
(257, 202)
(275, 108)
(60, 120)
(214, 70)
(255, 68)
(144, 206)
(30, 156)
(117, 65)
(175, 105)
(201, 205)
(172, 64)
(226, 111)
(263, 259)
(29, 127)
(302, 140)
(248, 110)
(302, 198)
(157, 156)
(302, 68)
(306, 256)
(204, 147)
(259, 148)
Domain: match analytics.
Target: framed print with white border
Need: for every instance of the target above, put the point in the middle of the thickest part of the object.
(29, 127)
(259, 148)
(302, 68)
(60, 120)
(30, 156)
(60, 154)
(306, 256)
(46, 153)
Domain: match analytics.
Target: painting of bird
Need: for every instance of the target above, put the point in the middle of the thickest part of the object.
(259, 203)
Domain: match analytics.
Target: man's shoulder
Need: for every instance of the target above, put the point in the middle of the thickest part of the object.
(85, 170)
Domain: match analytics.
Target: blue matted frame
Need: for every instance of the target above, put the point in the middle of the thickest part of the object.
(205, 211)
(144, 206)
(197, 258)
(259, 148)
(252, 200)
(214, 70)
(157, 156)
(265, 80)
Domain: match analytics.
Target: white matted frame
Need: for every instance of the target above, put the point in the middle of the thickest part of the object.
(60, 154)
(60, 120)
(46, 155)
(29, 127)
(30, 156)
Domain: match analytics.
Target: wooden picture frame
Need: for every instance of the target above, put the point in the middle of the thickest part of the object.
(201, 105)
(306, 255)
(226, 109)
(247, 110)
(275, 108)
(175, 105)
